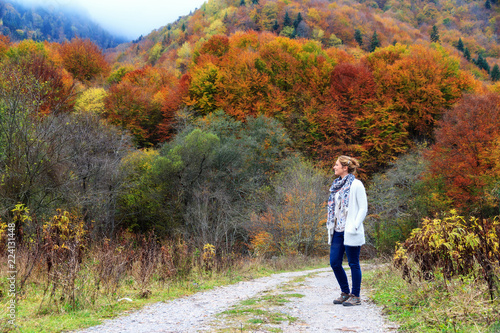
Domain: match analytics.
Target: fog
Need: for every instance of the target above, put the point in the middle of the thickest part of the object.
(128, 18)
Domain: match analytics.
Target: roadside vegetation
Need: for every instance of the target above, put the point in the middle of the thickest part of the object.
(114, 281)
(460, 304)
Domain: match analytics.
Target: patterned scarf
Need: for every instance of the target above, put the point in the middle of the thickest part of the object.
(344, 186)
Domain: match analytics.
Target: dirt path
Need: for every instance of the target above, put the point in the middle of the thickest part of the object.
(287, 302)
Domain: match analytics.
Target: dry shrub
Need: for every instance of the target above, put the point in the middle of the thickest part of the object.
(453, 246)
(65, 241)
(108, 261)
(262, 244)
(182, 258)
(145, 263)
(167, 269)
(29, 246)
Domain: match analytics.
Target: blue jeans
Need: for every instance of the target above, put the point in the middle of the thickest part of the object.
(337, 250)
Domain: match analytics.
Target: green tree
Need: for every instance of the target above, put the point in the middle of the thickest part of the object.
(434, 34)
(358, 37)
(460, 45)
(334, 40)
(276, 26)
(201, 183)
(287, 21)
(297, 21)
(495, 73)
(57, 159)
(374, 42)
(487, 4)
(288, 31)
(467, 54)
(482, 63)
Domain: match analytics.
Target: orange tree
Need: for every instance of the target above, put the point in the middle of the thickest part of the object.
(414, 85)
(262, 74)
(137, 103)
(83, 59)
(418, 83)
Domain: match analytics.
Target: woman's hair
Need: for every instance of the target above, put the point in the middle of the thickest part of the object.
(351, 163)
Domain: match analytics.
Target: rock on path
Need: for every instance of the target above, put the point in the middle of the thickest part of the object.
(315, 311)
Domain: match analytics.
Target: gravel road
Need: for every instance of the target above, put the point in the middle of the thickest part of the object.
(308, 294)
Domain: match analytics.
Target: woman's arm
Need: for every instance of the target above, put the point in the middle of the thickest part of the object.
(362, 204)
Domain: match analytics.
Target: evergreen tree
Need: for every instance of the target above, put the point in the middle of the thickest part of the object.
(276, 26)
(495, 73)
(374, 42)
(255, 2)
(460, 45)
(358, 37)
(183, 28)
(482, 63)
(487, 4)
(467, 54)
(297, 21)
(287, 21)
(242, 3)
(486, 66)
(434, 34)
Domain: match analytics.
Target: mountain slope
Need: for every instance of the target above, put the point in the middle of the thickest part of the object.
(343, 23)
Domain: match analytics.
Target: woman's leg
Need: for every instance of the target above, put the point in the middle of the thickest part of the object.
(336, 256)
(353, 259)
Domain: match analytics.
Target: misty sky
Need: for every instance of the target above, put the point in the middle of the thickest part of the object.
(130, 18)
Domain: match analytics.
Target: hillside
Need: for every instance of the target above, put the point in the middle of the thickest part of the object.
(343, 23)
(50, 23)
(281, 58)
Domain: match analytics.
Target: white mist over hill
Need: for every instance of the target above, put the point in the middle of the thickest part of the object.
(128, 18)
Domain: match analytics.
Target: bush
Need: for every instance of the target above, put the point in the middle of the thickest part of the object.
(293, 214)
(394, 202)
(453, 246)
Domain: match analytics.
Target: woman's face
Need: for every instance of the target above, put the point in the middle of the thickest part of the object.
(340, 170)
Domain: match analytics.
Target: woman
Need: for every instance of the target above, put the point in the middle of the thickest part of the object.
(347, 208)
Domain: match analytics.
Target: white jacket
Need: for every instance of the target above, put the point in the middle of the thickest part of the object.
(354, 234)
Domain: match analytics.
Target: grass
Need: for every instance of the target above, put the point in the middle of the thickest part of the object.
(33, 315)
(461, 305)
(260, 313)
(264, 312)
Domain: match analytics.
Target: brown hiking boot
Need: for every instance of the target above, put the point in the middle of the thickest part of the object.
(353, 300)
(343, 297)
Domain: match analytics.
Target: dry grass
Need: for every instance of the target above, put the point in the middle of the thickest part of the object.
(63, 297)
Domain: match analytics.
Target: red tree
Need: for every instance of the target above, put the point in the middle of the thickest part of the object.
(465, 155)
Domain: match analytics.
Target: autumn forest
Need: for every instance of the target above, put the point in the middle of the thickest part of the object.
(216, 134)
